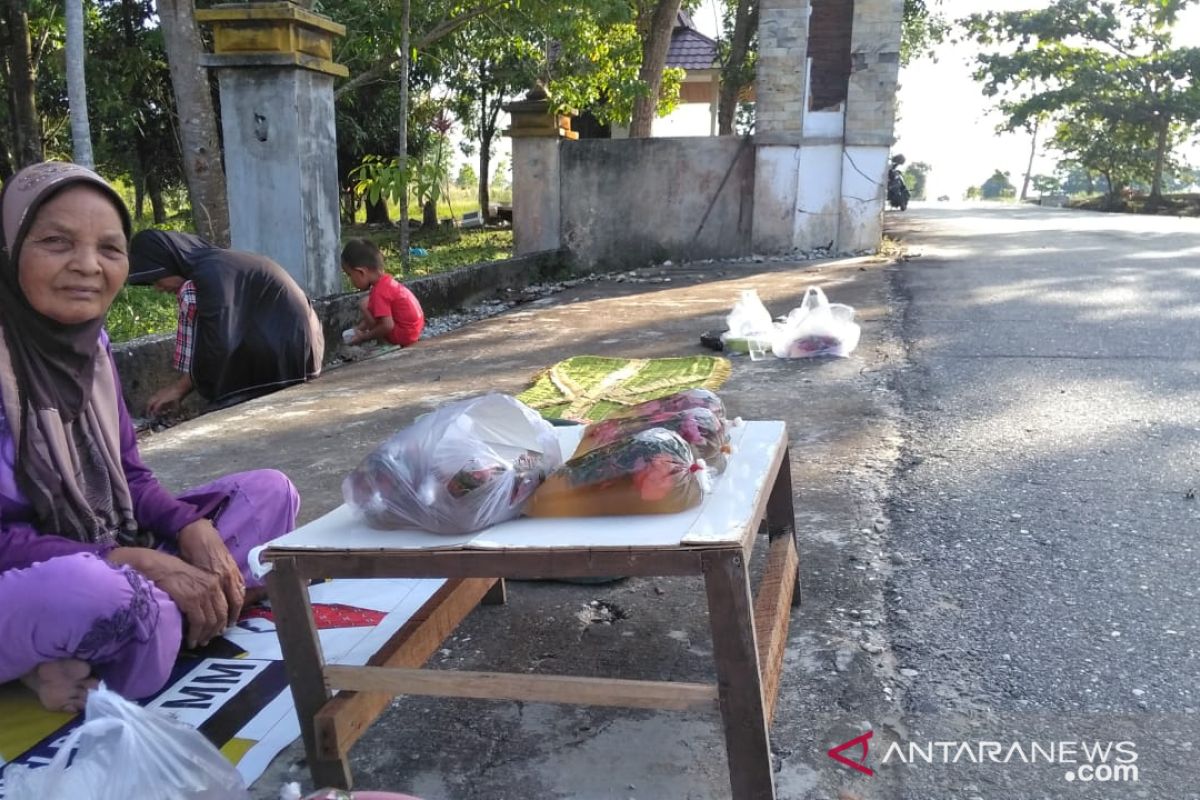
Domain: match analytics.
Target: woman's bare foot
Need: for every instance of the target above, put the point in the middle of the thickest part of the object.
(62, 685)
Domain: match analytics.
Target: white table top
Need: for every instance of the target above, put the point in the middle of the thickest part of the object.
(721, 519)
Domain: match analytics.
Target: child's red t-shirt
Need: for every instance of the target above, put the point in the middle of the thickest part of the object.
(390, 298)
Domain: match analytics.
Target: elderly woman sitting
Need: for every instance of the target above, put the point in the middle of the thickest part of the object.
(103, 573)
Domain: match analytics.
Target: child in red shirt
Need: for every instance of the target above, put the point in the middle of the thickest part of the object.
(391, 313)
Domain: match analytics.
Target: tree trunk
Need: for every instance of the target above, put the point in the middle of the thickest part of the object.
(485, 159)
(377, 213)
(429, 219)
(81, 131)
(22, 85)
(1037, 124)
(402, 158)
(157, 206)
(733, 73)
(654, 59)
(1160, 157)
(197, 121)
(485, 189)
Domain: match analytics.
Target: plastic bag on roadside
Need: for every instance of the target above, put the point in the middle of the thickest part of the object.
(650, 472)
(817, 328)
(749, 319)
(122, 751)
(706, 433)
(460, 468)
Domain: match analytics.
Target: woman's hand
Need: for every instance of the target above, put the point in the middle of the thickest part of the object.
(168, 396)
(197, 593)
(200, 545)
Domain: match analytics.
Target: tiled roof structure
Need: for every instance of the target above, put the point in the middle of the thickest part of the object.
(690, 49)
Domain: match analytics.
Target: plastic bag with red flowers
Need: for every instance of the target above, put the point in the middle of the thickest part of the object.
(705, 432)
(460, 468)
(650, 472)
(680, 401)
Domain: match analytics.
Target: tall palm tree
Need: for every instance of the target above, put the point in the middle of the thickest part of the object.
(81, 132)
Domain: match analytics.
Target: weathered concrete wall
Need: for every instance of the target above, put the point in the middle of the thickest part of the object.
(281, 165)
(145, 364)
(627, 202)
(864, 184)
(537, 204)
(870, 120)
(818, 196)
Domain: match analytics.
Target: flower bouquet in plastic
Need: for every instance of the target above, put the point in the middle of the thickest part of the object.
(706, 433)
(680, 401)
(651, 472)
(460, 468)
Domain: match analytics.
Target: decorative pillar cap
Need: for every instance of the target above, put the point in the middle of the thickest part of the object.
(280, 33)
(533, 117)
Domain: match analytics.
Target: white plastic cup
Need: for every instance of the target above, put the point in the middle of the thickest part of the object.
(348, 335)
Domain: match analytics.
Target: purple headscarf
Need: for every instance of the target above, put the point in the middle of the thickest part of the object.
(57, 383)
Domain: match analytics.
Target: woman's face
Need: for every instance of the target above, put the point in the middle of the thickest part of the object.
(73, 260)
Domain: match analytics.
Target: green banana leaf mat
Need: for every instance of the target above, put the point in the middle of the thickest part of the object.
(589, 388)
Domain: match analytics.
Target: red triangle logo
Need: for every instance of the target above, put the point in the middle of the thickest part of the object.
(860, 763)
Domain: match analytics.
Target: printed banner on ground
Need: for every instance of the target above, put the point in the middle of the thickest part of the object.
(235, 690)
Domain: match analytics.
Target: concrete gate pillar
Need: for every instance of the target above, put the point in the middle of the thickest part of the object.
(275, 70)
(779, 122)
(870, 121)
(537, 173)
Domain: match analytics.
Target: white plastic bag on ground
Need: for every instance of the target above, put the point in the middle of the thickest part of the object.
(749, 319)
(460, 468)
(817, 328)
(124, 751)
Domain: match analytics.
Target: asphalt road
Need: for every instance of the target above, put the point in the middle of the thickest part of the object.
(1046, 562)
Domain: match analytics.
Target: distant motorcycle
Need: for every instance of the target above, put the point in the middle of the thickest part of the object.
(897, 191)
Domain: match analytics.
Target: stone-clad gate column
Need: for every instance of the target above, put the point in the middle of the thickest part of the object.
(779, 121)
(870, 121)
(274, 65)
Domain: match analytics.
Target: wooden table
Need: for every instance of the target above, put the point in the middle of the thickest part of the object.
(714, 541)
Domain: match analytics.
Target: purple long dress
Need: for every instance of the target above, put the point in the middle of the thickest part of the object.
(60, 599)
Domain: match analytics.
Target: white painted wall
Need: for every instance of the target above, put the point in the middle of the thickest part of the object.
(864, 186)
(818, 205)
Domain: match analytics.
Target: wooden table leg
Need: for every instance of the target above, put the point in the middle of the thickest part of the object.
(781, 513)
(304, 664)
(730, 615)
(497, 595)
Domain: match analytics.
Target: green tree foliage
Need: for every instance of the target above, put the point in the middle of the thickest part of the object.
(998, 187)
(973, 193)
(1099, 69)
(466, 177)
(916, 176)
(923, 28)
(1047, 184)
(1121, 152)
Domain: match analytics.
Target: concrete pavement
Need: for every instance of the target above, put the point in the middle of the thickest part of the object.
(843, 425)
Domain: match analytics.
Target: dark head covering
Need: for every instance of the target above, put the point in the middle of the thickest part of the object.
(56, 382)
(255, 328)
(156, 254)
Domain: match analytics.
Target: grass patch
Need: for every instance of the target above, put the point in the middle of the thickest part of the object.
(448, 248)
(140, 311)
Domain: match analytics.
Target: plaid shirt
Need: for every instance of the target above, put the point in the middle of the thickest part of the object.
(185, 336)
